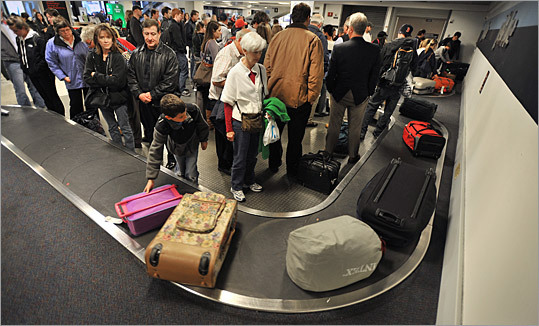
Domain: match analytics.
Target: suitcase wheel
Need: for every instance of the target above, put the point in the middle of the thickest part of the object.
(204, 264)
(154, 255)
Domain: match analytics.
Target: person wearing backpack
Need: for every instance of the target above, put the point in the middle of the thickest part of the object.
(399, 57)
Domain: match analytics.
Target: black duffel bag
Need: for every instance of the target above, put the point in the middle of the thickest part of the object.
(318, 171)
(418, 109)
(90, 119)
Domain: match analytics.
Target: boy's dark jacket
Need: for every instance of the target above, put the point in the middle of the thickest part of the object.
(180, 140)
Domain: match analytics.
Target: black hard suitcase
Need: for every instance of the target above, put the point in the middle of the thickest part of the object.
(398, 202)
(418, 109)
(318, 172)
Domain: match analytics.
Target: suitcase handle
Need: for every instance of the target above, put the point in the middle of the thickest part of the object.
(429, 174)
(389, 217)
(395, 164)
(123, 215)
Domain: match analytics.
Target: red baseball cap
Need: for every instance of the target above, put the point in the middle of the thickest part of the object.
(240, 23)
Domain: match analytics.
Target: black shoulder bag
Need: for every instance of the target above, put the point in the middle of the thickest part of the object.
(97, 97)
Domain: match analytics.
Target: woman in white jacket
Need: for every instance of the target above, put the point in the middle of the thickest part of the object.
(243, 93)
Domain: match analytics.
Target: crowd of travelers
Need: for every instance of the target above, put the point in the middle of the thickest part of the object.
(258, 72)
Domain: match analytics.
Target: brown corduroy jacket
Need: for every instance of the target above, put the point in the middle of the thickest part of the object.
(295, 66)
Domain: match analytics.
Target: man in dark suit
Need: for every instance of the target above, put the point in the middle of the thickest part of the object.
(351, 79)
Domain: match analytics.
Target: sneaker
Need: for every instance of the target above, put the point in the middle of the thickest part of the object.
(186, 93)
(238, 195)
(255, 187)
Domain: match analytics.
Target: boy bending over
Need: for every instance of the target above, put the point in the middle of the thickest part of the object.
(182, 127)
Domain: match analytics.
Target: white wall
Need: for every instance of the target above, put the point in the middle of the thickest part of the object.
(414, 12)
(469, 23)
(335, 18)
(490, 273)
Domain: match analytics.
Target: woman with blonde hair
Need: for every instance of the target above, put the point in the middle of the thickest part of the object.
(426, 63)
(106, 73)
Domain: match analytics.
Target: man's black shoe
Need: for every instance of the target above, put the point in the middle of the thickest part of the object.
(171, 165)
(353, 160)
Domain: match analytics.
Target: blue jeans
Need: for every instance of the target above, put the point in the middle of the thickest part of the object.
(245, 152)
(18, 77)
(187, 166)
(123, 121)
(389, 94)
(184, 70)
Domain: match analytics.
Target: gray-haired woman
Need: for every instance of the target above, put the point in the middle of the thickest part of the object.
(243, 93)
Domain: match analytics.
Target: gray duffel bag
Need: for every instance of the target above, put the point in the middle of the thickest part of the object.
(331, 254)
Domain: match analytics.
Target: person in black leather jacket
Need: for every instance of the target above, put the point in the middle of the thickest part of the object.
(153, 72)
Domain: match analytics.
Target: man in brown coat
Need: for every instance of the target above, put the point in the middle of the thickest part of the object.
(295, 66)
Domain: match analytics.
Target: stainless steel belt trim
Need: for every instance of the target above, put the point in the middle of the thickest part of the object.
(264, 304)
(134, 247)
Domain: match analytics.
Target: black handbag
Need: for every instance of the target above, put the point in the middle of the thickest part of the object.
(98, 98)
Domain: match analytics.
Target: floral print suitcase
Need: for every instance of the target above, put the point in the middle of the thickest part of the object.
(192, 245)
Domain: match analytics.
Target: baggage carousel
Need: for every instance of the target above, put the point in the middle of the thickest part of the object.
(94, 174)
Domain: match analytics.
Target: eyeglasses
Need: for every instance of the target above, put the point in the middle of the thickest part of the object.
(64, 30)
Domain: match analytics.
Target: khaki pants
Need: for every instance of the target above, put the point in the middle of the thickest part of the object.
(355, 120)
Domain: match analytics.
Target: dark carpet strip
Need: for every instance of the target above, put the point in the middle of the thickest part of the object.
(58, 267)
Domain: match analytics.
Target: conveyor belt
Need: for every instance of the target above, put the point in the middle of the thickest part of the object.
(94, 174)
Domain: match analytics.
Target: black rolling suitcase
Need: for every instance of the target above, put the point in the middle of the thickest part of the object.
(418, 109)
(318, 172)
(398, 202)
